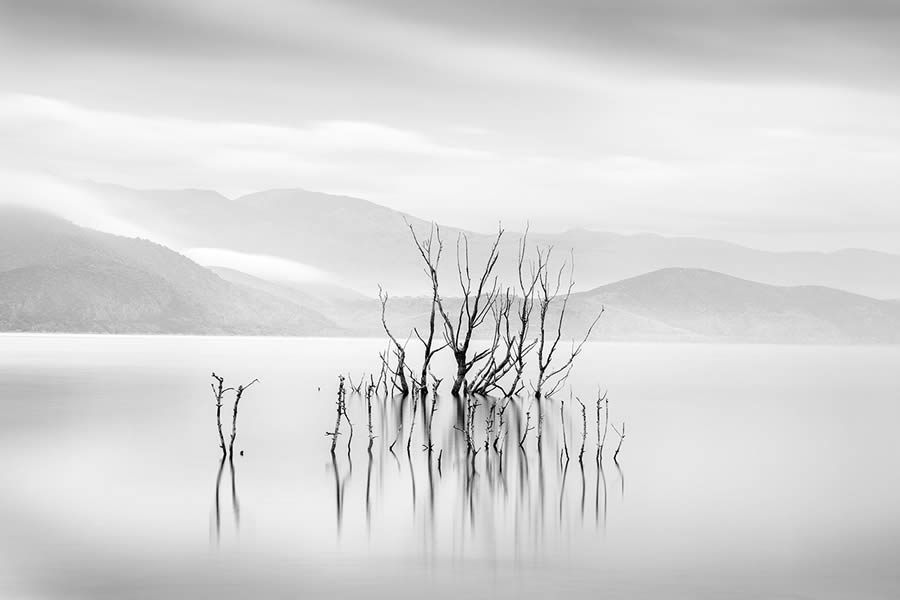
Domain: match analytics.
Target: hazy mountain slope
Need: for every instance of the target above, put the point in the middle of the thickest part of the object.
(321, 297)
(55, 276)
(689, 305)
(715, 305)
(363, 244)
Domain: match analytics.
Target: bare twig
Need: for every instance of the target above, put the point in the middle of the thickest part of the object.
(621, 439)
(219, 392)
(237, 400)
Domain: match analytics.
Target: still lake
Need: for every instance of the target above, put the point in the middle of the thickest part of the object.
(748, 471)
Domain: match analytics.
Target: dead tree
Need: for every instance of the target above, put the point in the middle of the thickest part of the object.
(621, 439)
(583, 430)
(562, 423)
(432, 259)
(474, 308)
(487, 378)
(519, 345)
(219, 392)
(399, 349)
(435, 384)
(356, 388)
(412, 423)
(429, 446)
(370, 391)
(528, 426)
(468, 429)
(500, 423)
(551, 376)
(601, 440)
(339, 404)
(237, 400)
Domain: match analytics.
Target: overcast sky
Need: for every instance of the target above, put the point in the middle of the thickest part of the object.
(774, 123)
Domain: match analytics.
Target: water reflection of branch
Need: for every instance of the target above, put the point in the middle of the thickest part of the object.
(340, 487)
(581, 466)
(601, 477)
(235, 505)
(412, 477)
(368, 493)
(562, 488)
(216, 496)
(621, 476)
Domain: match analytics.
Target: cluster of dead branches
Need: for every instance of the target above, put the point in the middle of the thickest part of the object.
(499, 368)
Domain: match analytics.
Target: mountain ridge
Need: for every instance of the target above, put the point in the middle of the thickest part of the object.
(363, 244)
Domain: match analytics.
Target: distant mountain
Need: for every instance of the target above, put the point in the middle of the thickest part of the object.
(55, 276)
(705, 304)
(361, 244)
(670, 305)
(322, 297)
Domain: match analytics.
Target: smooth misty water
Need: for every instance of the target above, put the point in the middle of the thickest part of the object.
(748, 472)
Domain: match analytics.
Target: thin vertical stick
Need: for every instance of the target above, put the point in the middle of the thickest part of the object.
(562, 422)
(219, 392)
(237, 400)
(583, 430)
(621, 439)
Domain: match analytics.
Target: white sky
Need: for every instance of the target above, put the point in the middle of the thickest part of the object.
(771, 123)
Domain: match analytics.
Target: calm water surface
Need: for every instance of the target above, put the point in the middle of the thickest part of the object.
(747, 472)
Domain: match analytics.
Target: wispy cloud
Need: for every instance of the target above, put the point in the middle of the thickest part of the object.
(143, 150)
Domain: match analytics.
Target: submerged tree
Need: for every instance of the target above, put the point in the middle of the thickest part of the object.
(431, 256)
(399, 349)
(219, 392)
(237, 400)
(551, 375)
(475, 305)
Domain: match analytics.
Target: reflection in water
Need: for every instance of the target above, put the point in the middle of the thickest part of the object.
(621, 476)
(473, 440)
(235, 503)
(340, 488)
(218, 512)
(369, 493)
(601, 477)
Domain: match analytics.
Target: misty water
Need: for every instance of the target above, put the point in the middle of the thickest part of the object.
(747, 472)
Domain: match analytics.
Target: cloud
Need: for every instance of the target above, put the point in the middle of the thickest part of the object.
(139, 150)
(271, 268)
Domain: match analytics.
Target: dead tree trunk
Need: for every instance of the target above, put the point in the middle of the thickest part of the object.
(601, 440)
(219, 392)
(339, 404)
(432, 259)
(237, 400)
(551, 376)
(475, 306)
(583, 431)
(399, 349)
(370, 390)
(621, 439)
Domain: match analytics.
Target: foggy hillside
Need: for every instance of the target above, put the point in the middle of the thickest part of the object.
(55, 276)
(360, 244)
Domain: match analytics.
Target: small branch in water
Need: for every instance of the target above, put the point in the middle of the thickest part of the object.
(562, 422)
(237, 400)
(369, 391)
(602, 440)
(414, 409)
(340, 411)
(528, 426)
(621, 439)
(583, 430)
(219, 393)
